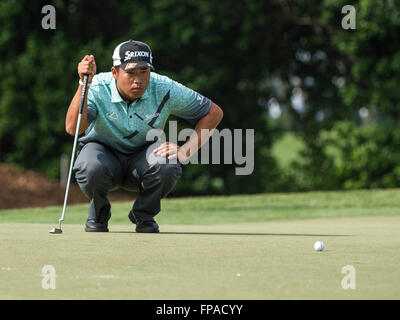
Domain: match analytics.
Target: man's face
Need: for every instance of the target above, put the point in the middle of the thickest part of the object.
(131, 84)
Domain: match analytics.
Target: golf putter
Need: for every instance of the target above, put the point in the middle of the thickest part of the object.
(82, 103)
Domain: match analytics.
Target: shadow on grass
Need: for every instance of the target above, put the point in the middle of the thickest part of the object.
(243, 234)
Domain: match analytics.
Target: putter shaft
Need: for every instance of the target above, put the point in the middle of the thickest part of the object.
(82, 102)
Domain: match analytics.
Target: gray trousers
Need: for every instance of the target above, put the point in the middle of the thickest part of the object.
(98, 170)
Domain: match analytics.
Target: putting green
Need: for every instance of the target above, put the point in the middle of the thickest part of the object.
(257, 260)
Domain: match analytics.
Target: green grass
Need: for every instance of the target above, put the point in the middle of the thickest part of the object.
(234, 209)
(237, 247)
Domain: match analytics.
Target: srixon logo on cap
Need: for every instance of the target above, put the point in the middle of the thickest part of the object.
(134, 54)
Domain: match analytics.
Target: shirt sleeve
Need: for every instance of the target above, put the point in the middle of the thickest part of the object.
(188, 104)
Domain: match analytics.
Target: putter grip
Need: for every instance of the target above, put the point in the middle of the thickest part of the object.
(84, 89)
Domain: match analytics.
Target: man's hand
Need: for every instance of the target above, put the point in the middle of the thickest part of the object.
(87, 66)
(172, 150)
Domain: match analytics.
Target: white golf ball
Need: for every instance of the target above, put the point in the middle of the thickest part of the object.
(319, 246)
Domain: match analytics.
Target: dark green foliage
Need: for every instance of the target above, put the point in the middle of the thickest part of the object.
(366, 157)
(238, 53)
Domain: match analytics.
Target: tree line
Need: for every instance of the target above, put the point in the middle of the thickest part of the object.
(335, 88)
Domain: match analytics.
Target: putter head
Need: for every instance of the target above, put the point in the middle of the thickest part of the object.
(55, 230)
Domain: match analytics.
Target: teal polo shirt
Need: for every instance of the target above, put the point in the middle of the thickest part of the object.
(124, 127)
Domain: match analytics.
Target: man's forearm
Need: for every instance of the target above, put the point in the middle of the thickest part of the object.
(86, 67)
(203, 131)
(73, 112)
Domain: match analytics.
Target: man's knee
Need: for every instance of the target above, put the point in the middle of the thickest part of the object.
(170, 172)
(91, 172)
(164, 174)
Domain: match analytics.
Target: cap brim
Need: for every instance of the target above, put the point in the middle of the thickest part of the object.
(128, 66)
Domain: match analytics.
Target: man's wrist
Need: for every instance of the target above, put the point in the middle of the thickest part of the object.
(183, 153)
(81, 83)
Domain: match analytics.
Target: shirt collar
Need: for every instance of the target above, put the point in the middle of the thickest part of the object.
(145, 95)
(115, 96)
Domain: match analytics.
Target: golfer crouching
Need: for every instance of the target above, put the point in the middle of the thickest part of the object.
(120, 108)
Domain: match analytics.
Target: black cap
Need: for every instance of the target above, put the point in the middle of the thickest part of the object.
(133, 54)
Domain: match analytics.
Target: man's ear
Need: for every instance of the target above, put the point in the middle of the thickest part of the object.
(114, 72)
